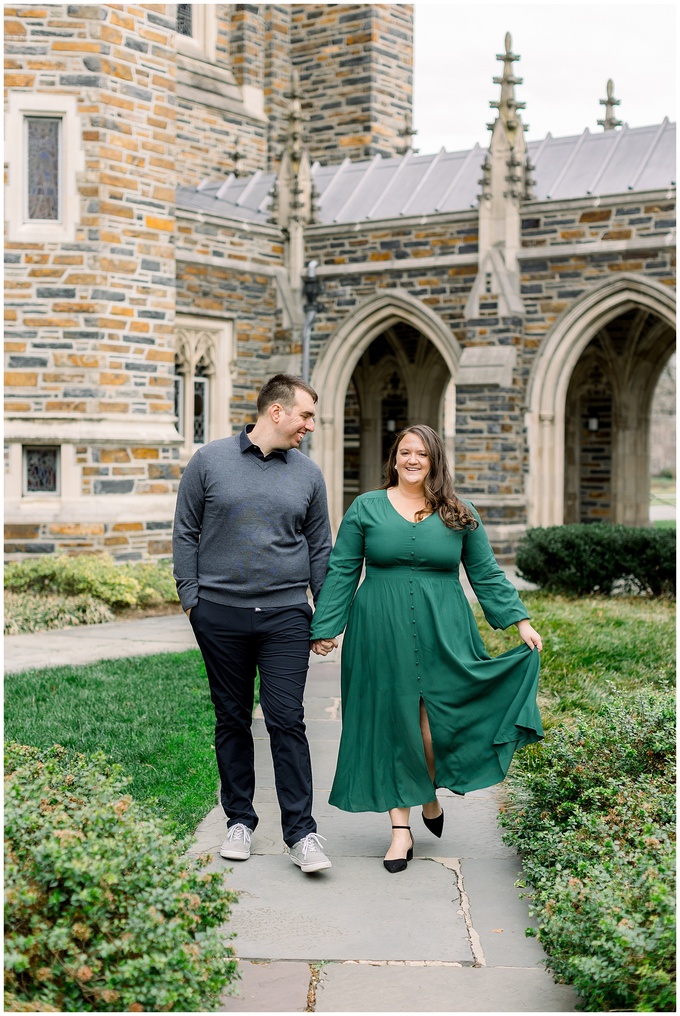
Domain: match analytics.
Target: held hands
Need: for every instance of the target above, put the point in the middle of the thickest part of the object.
(529, 635)
(322, 647)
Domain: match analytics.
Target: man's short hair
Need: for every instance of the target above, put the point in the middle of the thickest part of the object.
(282, 388)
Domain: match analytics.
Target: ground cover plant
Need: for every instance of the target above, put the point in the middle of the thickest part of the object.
(103, 912)
(56, 590)
(591, 809)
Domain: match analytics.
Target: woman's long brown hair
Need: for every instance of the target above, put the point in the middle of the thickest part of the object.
(439, 492)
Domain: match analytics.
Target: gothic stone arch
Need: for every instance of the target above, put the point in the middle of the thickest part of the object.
(552, 373)
(333, 371)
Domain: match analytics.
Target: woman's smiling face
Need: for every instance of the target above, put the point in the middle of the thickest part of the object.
(413, 462)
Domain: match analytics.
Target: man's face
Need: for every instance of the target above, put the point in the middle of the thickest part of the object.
(294, 424)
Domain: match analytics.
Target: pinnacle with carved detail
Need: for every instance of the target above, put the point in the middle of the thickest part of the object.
(508, 105)
(609, 122)
(293, 137)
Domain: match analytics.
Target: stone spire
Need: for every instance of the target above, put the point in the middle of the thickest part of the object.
(294, 203)
(507, 105)
(610, 121)
(293, 189)
(505, 183)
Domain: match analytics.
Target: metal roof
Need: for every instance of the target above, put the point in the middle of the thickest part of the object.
(609, 162)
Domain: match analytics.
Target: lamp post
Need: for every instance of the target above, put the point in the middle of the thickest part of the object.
(311, 287)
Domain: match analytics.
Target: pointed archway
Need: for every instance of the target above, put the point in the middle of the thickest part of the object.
(379, 330)
(589, 403)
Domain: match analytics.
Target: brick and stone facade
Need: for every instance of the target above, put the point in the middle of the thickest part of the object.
(530, 331)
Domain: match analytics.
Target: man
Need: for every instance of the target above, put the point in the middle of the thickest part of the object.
(251, 534)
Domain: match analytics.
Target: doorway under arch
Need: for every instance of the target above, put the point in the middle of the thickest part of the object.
(389, 364)
(590, 400)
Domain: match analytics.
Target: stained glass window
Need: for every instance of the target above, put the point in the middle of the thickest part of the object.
(184, 19)
(200, 409)
(43, 142)
(41, 465)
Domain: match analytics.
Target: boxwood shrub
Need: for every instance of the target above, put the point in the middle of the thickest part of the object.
(598, 558)
(592, 811)
(102, 911)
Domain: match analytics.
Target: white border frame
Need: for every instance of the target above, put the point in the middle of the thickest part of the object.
(21, 105)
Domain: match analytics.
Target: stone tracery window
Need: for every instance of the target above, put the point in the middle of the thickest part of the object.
(202, 381)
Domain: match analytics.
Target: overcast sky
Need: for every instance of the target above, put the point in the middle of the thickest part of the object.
(568, 52)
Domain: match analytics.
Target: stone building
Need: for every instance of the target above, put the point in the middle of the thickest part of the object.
(172, 169)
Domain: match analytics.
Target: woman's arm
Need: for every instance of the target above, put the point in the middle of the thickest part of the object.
(342, 579)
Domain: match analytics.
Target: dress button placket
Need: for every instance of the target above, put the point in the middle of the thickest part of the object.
(415, 635)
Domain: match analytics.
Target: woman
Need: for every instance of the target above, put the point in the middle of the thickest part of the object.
(423, 704)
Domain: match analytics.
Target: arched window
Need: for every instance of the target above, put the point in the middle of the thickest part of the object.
(202, 380)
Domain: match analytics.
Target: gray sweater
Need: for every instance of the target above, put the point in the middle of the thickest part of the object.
(250, 532)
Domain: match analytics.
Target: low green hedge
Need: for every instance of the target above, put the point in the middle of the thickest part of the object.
(102, 911)
(120, 585)
(598, 558)
(592, 811)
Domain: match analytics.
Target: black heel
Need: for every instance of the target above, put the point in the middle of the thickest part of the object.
(399, 863)
(435, 825)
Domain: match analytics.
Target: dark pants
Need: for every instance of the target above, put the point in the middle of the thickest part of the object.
(234, 641)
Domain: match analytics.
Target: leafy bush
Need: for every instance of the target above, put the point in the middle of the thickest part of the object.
(27, 612)
(119, 585)
(584, 559)
(102, 912)
(592, 811)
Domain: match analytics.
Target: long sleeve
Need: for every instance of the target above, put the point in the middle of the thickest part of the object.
(497, 596)
(317, 531)
(187, 532)
(342, 578)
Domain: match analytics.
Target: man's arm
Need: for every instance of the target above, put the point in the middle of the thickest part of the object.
(187, 532)
(317, 531)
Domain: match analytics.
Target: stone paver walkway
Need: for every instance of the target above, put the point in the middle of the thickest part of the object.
(446, 935)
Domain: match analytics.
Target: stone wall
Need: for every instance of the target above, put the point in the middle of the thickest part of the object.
(90, 323)
(221, 121)
(356, 70)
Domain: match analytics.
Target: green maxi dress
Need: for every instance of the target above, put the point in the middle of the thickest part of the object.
(411, 635)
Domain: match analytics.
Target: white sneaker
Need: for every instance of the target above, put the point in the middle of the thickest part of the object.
(307, 853)
(237, 844)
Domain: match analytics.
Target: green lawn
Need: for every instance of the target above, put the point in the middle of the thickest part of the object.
(593, 644)
(153, 714)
